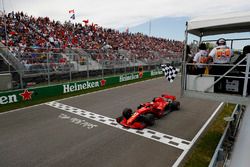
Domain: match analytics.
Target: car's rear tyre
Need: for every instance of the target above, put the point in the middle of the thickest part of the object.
(127, 112)
(154, 99)
(167, 107)
(149, 119)
(140, 106)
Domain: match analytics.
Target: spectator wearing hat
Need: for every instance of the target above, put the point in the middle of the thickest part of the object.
(200, 59)
(221, 54)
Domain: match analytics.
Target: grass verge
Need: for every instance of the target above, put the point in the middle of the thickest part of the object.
(13, 106)
(202, 153)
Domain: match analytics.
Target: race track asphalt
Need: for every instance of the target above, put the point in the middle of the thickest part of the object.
(46, 136)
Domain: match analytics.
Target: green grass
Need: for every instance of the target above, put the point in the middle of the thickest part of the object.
(203, 151)
(13, 106)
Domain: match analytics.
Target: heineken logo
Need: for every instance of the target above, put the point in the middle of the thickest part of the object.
(44, 92)
(8, 99)
(153, 73)
(26, 95)
(124, 78)
(103, 82)
(82, 86)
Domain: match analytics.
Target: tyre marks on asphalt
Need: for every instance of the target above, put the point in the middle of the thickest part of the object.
(147, 133)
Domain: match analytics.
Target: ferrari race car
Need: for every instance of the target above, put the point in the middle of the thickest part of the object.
(146, 113)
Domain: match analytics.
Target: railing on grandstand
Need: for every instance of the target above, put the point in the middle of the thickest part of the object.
(10, 59)
(43, 66)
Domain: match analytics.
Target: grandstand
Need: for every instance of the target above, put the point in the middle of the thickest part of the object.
(33, 46)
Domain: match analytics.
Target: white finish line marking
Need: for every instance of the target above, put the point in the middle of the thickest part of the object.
(147, 133)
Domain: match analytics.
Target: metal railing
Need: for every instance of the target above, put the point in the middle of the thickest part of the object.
(10, 59)
(45, 66)
(238, 71)
(224, 148)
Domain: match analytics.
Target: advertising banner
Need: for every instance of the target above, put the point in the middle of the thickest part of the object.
(37, 93)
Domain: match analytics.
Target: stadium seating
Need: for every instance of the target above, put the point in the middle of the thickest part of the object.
(29, 39)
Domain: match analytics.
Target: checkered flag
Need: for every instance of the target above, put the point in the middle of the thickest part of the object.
(169, 71)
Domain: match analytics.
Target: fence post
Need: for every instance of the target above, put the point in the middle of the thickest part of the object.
(70, 74)
(77, 58)
(21, 80)
(88, 59)
(115, 64)
(125, 67)
(134, 62)
(103, 68)
(48, 70)
(246, 76)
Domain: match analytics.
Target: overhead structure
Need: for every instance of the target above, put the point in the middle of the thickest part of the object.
(233, 85)
(219, 24)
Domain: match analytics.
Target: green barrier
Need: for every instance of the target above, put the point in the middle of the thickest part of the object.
(19, 96)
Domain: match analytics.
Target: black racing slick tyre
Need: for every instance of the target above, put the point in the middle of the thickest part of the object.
(140, 106)
(154, 99)
(127, 113)
(149, 119)
(175, 105)
(119, 119)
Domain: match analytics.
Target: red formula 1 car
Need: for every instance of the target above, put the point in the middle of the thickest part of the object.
(146, 113)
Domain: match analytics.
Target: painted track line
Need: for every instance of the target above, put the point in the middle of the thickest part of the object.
(184, 153)
(147, 133)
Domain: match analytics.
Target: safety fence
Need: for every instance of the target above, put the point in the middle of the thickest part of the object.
(224, 148)
(27, 67)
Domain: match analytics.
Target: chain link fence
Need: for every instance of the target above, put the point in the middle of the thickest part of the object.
(26, 67)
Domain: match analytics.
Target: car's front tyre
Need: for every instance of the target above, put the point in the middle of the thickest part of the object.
(127, 113)
(175, 105)
(149, 119)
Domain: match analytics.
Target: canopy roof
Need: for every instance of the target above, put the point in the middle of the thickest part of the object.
(223, 24)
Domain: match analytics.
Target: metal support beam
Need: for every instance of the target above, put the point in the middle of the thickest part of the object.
(183, 77)
(246, 75)
(225, 74)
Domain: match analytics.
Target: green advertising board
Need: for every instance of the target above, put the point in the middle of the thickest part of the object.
(37, 93)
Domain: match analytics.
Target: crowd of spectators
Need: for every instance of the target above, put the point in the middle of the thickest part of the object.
(28, 36)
